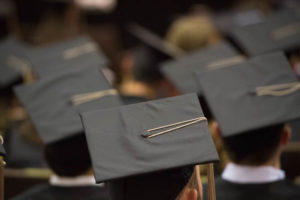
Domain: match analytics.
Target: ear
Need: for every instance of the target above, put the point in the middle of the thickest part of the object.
(285, 135)
(216, 129)
(189, 194)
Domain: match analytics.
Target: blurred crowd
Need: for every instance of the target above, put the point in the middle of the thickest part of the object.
(133, 39)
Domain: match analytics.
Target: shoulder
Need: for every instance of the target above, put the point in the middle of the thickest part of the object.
(279, 190)
(37, 192)
(88, 192)
(286, 187)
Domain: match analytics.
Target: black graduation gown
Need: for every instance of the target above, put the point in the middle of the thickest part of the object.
(278, 190)
(48, 192)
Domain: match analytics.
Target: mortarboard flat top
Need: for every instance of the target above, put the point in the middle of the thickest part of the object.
(51, 104)
(281, 31)
(126, 131)
(254, 94)
(181, 72)
(77, 51)
(154, 41)
(12, 63)
(225, 21)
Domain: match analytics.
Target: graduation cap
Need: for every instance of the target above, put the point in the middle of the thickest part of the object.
(152, 51)
(53, 103)
(73, 52)
(147, 138)
(154, 41)
(181, 72)
(228, 19)
(281, 31)
(258, 93)
(13, 63)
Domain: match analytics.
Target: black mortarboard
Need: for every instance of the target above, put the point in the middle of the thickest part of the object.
(146, 64)
(181, 72)
(12, 61)
(258, 93)
(148, 137)
(151, 51)
(225, 21)
(77, 51)
(53, 103)
(281, 31)
(154, 41)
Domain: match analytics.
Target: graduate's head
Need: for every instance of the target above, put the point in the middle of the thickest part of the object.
(145, 64)
(68, 157)
(193, 32)
(140, 68)
(251, 101)
(257, 147)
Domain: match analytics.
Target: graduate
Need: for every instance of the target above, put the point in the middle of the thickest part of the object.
(252, 103)
(53, 103)
(149, 150)
(278, 32)
(22, 144)
(141, 78)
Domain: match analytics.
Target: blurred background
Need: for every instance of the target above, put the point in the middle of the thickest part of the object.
(189, 25)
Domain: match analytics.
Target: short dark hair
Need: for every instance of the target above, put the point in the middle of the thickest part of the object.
(253, 147)
(146, 64)
(68, 157)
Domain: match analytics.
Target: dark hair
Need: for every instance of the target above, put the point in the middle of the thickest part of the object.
(205, 108)
(253, 147)
(68, 157)
(146, 64)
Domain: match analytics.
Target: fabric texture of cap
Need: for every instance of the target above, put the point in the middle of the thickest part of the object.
(155, 42)
(280, 31)
(148, 137)
(70, 53)
(258, 93)
(225, 21)
(181, 72)
(13, 61)
(54, 102)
